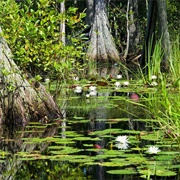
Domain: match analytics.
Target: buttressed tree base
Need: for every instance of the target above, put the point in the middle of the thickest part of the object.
(21, 101)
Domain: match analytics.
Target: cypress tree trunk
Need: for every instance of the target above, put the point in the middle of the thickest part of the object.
(89, 12)
(134, 29)
(163, 30)
(150, 32)
(157, 11)
(62, 25)
(133, 36)
(101, 48)
(21, 101)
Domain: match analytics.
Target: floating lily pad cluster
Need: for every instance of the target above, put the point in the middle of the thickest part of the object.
(111, 131)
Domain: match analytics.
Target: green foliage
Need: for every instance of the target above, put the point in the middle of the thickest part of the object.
(175, 62)
(154, 55)
(32, 31)
(117, 18)
(173, 15)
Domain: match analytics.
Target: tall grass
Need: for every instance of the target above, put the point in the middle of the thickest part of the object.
(165, 104)
(154, 55)
(174, 62)
(154, 60)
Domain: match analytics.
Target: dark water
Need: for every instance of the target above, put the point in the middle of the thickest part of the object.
(82, 145)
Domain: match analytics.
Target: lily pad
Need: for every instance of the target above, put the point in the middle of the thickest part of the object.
(117, 162)
(82, 138)
(106, 131)
(123, 171)
(66, 150)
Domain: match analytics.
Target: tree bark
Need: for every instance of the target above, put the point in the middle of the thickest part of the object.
(163, 31)
(101, 48)
(133, 36)
(90, 12)
(150, 33)
(62, 25)
(21, 101)
(134, 29)
(157, 8)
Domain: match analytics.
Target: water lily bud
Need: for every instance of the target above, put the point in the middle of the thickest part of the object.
(78, 89)
(117, 84)
(153, 77)
(126, 83)
(119, 76)
(92, 88)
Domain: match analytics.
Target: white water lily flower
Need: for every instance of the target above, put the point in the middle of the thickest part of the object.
(153, 150)
(76, 78)
(122, 139)
(87, 95)
(153, 77)
(78, 89)
(154, 83)
(93, 93)
(119, 76)
(117, 84)
(122, 142)
(92, 88)
(122, 146)
(126, 83)
(47, 80)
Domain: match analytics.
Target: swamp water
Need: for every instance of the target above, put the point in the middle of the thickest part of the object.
(83, 145)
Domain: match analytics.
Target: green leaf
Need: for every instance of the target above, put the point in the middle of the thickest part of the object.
(123, 171)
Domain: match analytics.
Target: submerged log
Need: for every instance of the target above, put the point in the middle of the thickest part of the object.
(21, 102)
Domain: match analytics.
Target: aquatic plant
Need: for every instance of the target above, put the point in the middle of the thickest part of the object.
(126, 83)
(154, 83)
(93, 93)
(119, 76)
(174, 62)
(153, 77)
(153, 150)
(78, 89)
(76, 78)
(92, 88)
(122, 142)
(117, 84)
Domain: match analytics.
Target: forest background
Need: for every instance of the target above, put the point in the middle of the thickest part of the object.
(61, 40)
(50, 39)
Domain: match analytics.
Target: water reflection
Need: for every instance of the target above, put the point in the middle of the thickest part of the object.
(83, 143)
(14, 143)
(111, 105)
(98, 117)
(109, 113)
